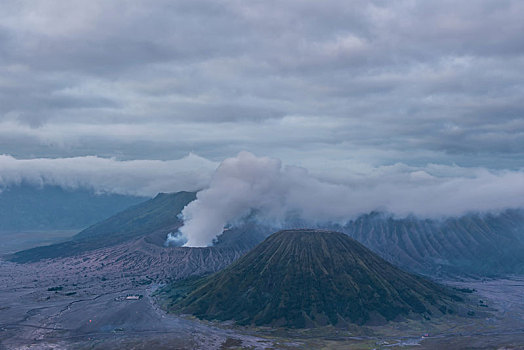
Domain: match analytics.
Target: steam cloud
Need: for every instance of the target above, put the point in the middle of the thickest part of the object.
(135, 177)
(248, 184)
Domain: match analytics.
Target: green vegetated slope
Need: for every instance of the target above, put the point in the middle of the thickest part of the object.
(306, 278)
(158, 215)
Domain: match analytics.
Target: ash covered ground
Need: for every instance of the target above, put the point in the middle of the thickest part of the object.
(103, 300)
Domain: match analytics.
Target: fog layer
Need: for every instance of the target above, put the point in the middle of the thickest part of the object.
(135, 177)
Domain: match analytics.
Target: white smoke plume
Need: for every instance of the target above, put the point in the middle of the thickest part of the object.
(248, 184)
(133, 177)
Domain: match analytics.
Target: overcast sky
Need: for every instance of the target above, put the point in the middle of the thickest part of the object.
(325, 85)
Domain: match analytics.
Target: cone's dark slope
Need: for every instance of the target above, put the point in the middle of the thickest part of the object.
(304, 278)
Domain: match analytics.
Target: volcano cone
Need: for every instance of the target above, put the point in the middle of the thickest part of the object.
(308, 278)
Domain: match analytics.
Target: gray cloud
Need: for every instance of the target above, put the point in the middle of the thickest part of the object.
(370, 81)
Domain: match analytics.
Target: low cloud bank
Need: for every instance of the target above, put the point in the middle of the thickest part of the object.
(266, 190)
(134, 177)
(246, 184)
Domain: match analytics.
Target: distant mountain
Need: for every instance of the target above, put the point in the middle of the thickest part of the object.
(154, 218)
(488, 244)
(25, 207)
(485, 245)
(306, 278)
(475, 244)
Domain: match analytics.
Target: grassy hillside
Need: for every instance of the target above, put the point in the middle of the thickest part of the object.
(303, 278)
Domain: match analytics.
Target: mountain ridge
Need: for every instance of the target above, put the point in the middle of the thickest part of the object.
(154, 218)
(471, 245)
(488, 244)
(306, 278)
